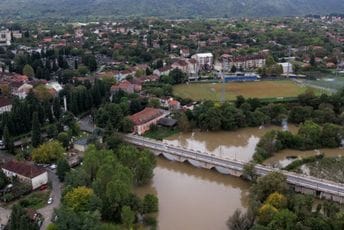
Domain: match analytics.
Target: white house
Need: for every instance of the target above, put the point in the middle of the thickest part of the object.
(287, 67)
(25, 172)
(23, 91)
(81, 144)
(5, 105)
(54, 85)
(5, 37)
(204, 59)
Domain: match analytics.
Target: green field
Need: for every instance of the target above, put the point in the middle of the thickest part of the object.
(259, 89)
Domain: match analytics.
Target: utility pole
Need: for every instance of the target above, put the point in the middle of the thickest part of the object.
(288, 67)
(223, 87)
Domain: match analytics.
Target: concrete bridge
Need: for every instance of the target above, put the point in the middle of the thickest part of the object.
(301, 183)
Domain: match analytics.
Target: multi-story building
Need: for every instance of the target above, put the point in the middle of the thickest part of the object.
(204, 60)
(242, 62)
(5, 37)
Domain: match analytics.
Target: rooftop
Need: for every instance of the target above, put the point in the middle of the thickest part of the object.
(23, 169)
(146, 115)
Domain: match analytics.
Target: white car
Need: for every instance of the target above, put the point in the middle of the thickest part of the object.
(53, 166)
(50, 200)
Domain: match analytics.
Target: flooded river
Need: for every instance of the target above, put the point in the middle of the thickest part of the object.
(285, 157)
(239, 144)
(193, 198)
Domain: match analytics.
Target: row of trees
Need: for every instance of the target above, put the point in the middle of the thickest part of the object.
(310, 136)
(253, 112)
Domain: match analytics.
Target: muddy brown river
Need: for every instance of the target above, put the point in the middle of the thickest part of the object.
(193, 198)
(239, 144)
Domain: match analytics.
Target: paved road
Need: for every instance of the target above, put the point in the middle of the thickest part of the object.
(48, 210)
(4, 216)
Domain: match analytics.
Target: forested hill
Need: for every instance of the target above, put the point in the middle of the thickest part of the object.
(166, 8)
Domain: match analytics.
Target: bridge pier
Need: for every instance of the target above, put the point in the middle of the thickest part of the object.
(301, 183)
(304, 190)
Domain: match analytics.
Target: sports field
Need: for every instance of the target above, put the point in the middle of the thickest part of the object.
(259, 89)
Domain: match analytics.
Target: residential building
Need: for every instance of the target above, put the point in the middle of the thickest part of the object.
(17, 34)
(144, 119)
(126, 86)
(81, 144)
(184, 52)
(204, 60)
(242, 62)
(22, 91)
(5, 37)
(173, 104)
(287, 67)
(27, 173)
(5, 105)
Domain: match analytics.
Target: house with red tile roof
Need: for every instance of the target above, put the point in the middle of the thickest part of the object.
(5, 105)
(144, 119)
(126, 86)
(27, 173)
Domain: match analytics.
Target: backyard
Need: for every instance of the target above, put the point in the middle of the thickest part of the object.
(258, 89)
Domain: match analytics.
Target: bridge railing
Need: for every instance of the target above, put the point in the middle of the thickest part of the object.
(293, 178)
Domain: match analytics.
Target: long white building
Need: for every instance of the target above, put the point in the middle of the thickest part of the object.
(27, 173)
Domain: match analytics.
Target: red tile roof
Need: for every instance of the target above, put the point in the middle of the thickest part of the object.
(5, 101)
(23, 169)
(145, 115)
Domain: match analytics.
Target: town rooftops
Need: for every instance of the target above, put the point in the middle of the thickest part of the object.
(23, 169)
(146, 115)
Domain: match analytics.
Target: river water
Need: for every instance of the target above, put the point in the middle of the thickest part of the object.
(239, 144)
(194, 198)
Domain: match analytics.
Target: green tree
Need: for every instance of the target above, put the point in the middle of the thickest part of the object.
(79, 199)
(127, 217)
(36, 130)
(62, 168)
(57, 108)
(28, 71)
(8, 141)
(266, 185)
(19, 220)
(3, 180)
(311, 135)
(283, 219)
(68, 219)
(239, 221)
(64, 139)
(150, 203)
(48, 152)
(177, 76)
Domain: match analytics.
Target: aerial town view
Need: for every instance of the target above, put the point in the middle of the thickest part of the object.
(171, 115)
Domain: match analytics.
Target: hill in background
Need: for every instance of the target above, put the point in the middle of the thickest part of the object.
(166, 8)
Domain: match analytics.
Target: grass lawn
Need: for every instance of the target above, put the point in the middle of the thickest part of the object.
(35, 200)
(160, 133)
(259, 89)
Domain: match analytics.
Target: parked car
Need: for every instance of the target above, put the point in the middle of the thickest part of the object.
(50, 200)
(53, 166)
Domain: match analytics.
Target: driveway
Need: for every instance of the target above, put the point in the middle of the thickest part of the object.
(48, 210)
(4, 216)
